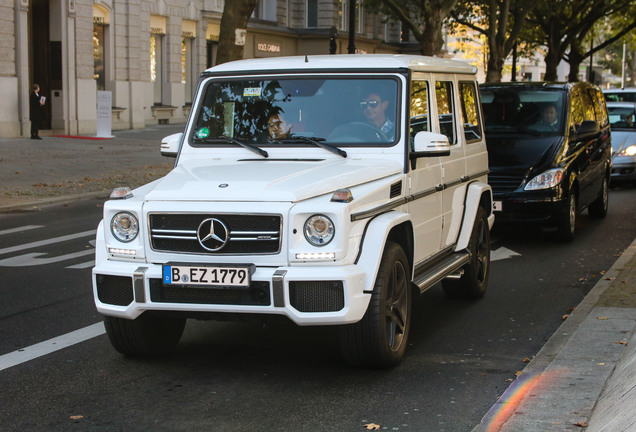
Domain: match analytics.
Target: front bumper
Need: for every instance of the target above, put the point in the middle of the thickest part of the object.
(623, 170)
(530, 207)
(317, 295)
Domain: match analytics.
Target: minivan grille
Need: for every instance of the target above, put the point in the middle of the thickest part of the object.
(504, 183)
(247, 233)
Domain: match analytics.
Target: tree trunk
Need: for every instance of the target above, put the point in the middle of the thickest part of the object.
(575, 58)
(236, 14)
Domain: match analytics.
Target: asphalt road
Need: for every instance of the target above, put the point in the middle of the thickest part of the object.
(249, 377)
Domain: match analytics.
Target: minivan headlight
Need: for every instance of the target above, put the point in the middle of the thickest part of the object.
(124, 226)
(546, 180)
(319, 230)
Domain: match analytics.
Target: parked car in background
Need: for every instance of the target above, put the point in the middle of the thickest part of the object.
(549, 151)
(620, 95)
(622, 117)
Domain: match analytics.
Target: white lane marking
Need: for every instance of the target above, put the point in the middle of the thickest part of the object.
(47, 347)
(20, 229)
(33, 258)
(83, 265)
(47, 242)
(502, 253)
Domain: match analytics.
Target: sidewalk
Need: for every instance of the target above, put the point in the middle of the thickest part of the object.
(584, 375)
(584, 378)
(35, 172)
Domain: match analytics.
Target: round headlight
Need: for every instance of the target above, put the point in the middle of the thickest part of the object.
(319, 230)
(124, 227)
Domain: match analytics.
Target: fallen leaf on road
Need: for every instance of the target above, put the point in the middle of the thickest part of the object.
(581, 279)
(602, 272)
(564, 317)
(372, 426)
(580, 424)
(602, 364)
(610, 278)
(602, 318)
(77, 417)
(526, 360)
(621, 342)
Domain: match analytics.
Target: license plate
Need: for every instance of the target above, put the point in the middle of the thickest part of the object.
(497, 206)
(207, 276)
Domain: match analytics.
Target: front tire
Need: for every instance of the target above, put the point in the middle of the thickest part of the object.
(567, 220)
(598, 208)
(473, 283)
(144, 336)
(379, 339)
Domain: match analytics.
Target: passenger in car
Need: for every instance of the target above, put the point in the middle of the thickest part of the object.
(277, 127)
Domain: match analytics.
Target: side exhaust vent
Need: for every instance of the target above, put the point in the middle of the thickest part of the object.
(396, 189)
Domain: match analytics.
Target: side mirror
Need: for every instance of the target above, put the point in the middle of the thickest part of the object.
(430, 144)
(170, 145)
(588, 129)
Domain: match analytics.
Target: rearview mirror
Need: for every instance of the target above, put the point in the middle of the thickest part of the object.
(170, 145)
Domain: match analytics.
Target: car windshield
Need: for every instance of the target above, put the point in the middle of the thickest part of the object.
(622, 117)
(308, 111)
(523, 110)
(625, 96)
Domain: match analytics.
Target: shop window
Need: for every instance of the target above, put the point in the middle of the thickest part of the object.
(312, 13)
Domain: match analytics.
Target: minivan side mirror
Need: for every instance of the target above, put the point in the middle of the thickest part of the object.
(170, 145)
(588, 129)
(430, 144)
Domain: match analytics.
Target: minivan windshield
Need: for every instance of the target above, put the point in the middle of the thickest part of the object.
(304, 111)
(523, 110)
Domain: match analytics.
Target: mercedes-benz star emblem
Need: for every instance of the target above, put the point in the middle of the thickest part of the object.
(212, 234)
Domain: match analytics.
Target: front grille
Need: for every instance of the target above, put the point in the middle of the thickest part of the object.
(248, 234)
(258, 294)
(316, 296)
(504, 183)
(114, 290)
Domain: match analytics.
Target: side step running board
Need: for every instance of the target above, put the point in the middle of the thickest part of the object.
(446, 267)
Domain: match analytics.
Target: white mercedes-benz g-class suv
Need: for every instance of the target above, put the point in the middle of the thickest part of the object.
(326, 189)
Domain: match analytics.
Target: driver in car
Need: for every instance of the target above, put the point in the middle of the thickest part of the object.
(374, 111)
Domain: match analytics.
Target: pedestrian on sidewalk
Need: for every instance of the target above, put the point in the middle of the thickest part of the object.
(36, 102)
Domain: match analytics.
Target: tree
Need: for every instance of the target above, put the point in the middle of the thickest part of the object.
(236, 14)
(501, 21)
(613, 58)
(565, 24)
(423, 18)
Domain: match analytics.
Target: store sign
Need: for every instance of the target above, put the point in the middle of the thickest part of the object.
(268, 48)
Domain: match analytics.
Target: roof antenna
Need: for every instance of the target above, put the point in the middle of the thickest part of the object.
(306, 59)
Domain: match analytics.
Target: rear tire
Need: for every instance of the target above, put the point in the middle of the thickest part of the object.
(379, 339)
(144, 336)
(473, 283)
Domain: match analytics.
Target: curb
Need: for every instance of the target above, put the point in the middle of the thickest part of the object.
(555, 345)
(28, 205)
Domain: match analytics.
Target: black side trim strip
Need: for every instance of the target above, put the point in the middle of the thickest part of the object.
(396, 203)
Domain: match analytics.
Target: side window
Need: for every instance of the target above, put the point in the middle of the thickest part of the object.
(419, 107)
(600, 108)
(576, 111)
(588, 106)
(445, 109)
(470, 111)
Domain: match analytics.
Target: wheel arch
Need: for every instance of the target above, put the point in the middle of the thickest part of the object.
(391, 226)
(478, 194)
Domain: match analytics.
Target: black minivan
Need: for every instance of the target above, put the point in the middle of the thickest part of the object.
(549, 151)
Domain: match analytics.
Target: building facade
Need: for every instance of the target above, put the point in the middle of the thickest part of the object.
(148, 54)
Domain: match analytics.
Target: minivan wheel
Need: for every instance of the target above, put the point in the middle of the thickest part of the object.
(472, 284)
(567, 220)
(598, 208)
(379, 339)
(144, 336)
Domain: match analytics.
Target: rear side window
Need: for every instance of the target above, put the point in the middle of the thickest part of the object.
(470, 111)
(419, 107)
(587, 105)
(445, 109)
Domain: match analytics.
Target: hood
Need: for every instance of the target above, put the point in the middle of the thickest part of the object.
(622, 139)
(514, 153)
(266, 179)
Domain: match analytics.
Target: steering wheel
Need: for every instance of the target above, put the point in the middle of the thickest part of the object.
(358, 131)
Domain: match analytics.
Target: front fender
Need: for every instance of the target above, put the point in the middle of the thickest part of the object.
(373, 242)
(477, 193)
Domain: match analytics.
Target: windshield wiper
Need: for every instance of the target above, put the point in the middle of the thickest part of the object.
(226, 139)
(319, 142)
